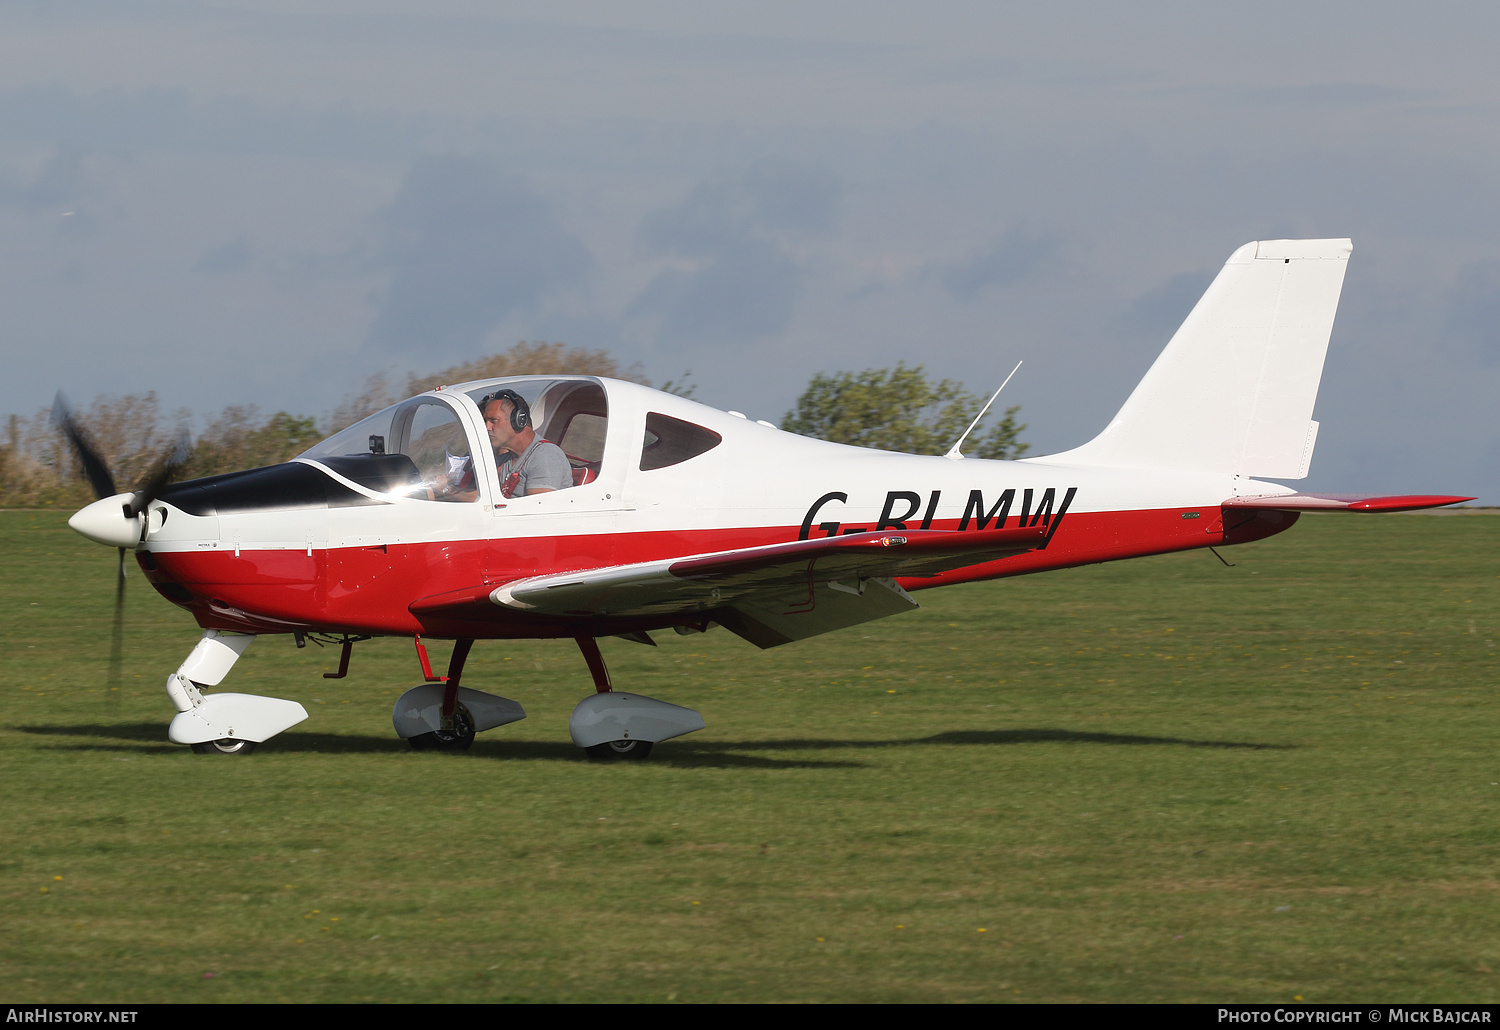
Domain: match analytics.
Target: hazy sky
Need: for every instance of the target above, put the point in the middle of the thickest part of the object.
(262, 203)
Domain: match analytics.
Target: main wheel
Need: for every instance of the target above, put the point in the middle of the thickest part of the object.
(619, 751)
(224, 746)
(460, 738)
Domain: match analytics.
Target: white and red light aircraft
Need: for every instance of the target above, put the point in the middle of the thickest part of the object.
(682, 516)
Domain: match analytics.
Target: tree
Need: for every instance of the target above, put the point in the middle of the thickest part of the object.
(40, 469)
(897, 409)
(235, 441)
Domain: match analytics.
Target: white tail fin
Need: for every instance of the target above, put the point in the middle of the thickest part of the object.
(1234, 389)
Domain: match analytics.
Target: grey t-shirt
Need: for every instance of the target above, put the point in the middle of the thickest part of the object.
(542, 466)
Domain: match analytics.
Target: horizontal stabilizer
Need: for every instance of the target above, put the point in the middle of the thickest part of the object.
(1342, 502)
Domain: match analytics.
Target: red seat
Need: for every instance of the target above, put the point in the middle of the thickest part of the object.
(583, 471)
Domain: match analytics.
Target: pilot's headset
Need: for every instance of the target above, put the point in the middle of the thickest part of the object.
(520, 411)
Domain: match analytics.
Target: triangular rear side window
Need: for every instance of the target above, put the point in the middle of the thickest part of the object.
(671, 441)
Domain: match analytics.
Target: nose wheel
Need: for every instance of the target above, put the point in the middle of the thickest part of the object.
(224, 746)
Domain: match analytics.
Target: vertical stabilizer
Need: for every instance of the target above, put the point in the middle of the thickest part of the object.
(1234, 389)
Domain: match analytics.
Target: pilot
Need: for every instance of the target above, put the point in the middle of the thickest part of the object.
(527, 463)
(531, 465)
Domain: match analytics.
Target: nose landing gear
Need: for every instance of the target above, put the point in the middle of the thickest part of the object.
(224, 746)
(228, 723)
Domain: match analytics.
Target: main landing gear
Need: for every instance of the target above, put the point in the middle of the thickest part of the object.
(458, 737)
(440, 715)
(608, 725)
(619, 751)
(612, 726)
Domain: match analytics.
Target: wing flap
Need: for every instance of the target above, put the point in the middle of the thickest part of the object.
(820, 607)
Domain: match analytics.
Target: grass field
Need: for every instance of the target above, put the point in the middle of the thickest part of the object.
(1160, 780)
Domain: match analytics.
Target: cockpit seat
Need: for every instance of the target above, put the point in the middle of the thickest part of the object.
(583, 471)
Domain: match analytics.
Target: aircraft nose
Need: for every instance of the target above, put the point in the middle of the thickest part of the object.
(104, 521)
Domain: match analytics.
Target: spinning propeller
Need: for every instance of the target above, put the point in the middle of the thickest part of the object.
(115, 518)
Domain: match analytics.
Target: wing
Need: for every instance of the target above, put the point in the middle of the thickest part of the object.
(1342, 502)
(769, 595)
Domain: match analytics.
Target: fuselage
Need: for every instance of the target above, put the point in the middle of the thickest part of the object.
(317, 545)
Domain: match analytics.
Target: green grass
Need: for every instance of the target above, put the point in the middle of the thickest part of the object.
(1160, 780)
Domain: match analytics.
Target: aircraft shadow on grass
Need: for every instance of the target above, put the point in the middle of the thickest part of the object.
(147, 737)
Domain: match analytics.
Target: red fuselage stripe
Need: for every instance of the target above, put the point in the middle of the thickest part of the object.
(369, 590)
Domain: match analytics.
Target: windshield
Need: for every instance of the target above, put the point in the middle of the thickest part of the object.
(417, 448)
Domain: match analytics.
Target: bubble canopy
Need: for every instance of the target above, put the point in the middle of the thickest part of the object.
(421, 447)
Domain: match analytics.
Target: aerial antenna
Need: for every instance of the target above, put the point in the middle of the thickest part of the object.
(953, 451)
